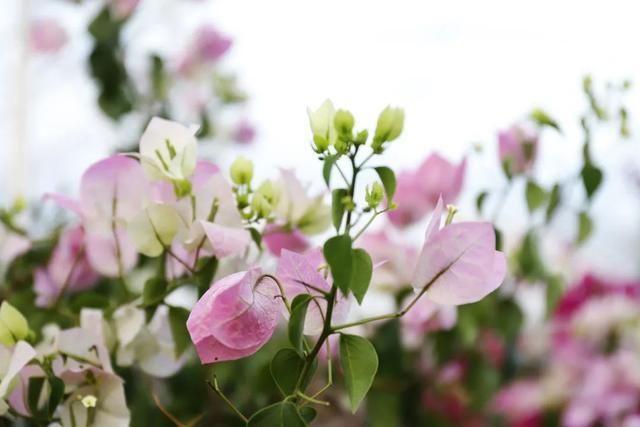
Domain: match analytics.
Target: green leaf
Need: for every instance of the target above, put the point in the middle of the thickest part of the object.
(554, 202)
(585, 227)
(33, 394)
(206, 270)
(543, 119)
(591, 179)
(281, 414)
(535, 195)
(360, 363)
(89, 300)
(385, 408)
(178, 322)
(296, 321)
(256, 236)
(388, 178)
(154, 291)
(528, 260)
(553, 292)
(327, 167)
(56, 394)
(480, 199)
(285, 368)
(308, 413)
(337, 252)
(361, 271)
(337, 206)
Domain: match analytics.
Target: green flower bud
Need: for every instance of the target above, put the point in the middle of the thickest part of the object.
(341, 146)
(261, 206)
(322, 126)
(343, 122)
(361, 137)
(321, 143)
(13, 325)
(374, 195)
(269, 191)
(389, 127)
(241, 171)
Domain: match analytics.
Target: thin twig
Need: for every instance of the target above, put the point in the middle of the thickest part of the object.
(216, 388)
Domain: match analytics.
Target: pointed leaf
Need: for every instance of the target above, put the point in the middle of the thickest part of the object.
(178, 322)
(591, 179)
(535, 195)
(285, 369)
(154, 291)
(359, 362)
(327, 167)
(361, 271)
(554, 202)
(281, 414)
(56, 394)
(585, 227)
(337, 206)
(337, 253)
(388, 178)
(296, 321)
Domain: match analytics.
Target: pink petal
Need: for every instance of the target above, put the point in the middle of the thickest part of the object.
(276, 239)
(296, 270)
(247, 313)
(65, 202)
(235, 317)
(226, 241)
(461, 262)
(103, 250)
(113, 188)
(411, 205)
(47, 35)
(439, 177)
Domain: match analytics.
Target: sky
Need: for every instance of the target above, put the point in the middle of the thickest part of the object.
(461, 69)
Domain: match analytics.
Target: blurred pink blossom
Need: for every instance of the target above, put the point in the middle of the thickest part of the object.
(277, 238)
(418, 192)
(424, 317)
(392, 258)
(12, 245)
(122, 9)
(244, 132)
(517, 148)
(207, 47)
(47, 35)
(68, 269)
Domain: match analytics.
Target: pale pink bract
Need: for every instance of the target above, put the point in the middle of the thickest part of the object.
(297, 272)
(459, 263)
(235, 317)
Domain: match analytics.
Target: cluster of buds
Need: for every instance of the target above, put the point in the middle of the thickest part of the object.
(336, 128)
(253, 204)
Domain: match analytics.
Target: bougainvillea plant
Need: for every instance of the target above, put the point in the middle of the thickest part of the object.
(154, 223)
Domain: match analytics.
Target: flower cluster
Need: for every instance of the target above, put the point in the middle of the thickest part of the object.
(181, 224)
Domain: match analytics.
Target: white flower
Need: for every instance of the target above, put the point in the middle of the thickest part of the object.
(168, 150)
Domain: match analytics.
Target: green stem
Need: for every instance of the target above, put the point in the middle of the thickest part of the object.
(311, 399)
(214, 385)
(277, 282)
(390, 315)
